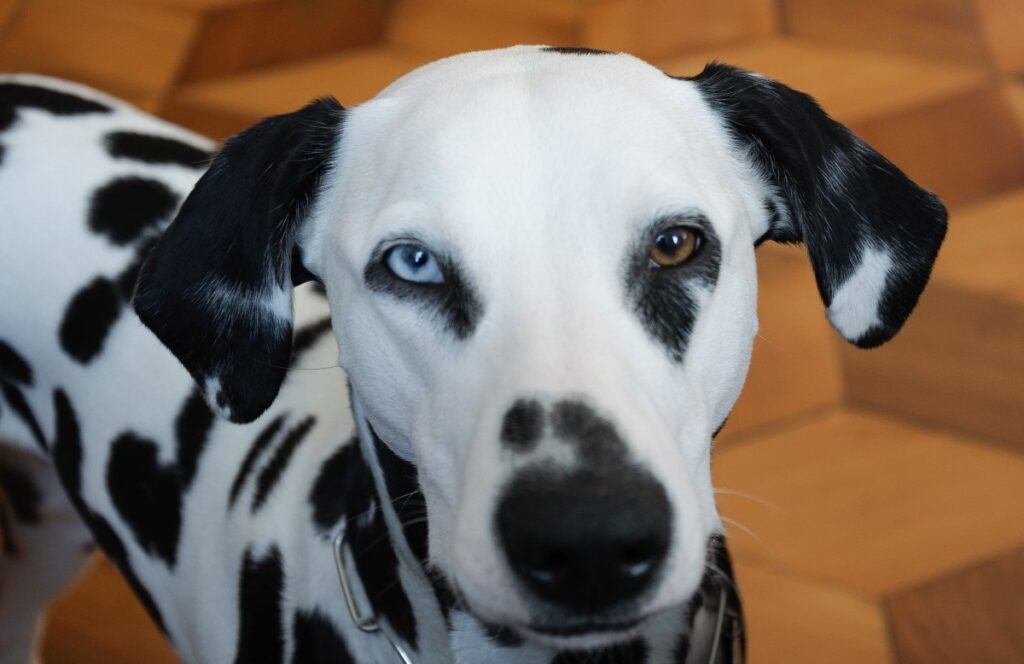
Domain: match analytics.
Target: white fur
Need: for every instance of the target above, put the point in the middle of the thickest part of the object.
(854, 307)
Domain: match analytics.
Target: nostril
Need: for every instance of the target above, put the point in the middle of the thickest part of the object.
(585, 540)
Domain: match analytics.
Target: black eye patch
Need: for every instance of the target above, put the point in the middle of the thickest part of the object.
(664, 299)
(454, 300)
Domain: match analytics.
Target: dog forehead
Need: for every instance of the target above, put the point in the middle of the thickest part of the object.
(585, 136)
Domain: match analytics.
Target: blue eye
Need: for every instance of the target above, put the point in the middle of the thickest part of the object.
(412, 262)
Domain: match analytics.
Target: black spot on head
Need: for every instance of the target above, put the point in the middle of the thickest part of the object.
(10, 547)
(13, 366)
(21, 95)
(632, 651)
(146, 494)
(155, 149)
(523, 425)
(263, 440)
(317, 641)
(575, 50)
(260, 630)
(597, 440)
(21, 493)
(67, 459)
(454, 300)
(192, 430)
(278, 463)
(665, 297)
(124, 209)
(88, 319)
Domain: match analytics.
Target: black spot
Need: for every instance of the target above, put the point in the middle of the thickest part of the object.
(88, 318)
(503, 637)
(155, 149)
(147, 495)
(21, 493)
(16, 400)
(278, 463)
(523, 425)
(317, 641)
(124, 209)
(13, 366)
(344, 488)
(67, 459)
(663, 298)
(632, 651)
(404, 495)
(575, 50)
(260, 630)
(307, 336)
(597, 440)
(10, 547)
(454, 300)
(263, 440)
(192, 429)
(19, 95)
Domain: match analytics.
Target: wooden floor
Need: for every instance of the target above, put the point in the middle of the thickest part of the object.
(876, 499)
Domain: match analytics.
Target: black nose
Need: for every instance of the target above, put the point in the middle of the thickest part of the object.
(585, 541)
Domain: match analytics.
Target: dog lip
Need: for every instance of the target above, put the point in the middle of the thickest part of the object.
(586, 628)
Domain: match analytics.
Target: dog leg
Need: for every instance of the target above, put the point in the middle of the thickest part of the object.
(43, 546)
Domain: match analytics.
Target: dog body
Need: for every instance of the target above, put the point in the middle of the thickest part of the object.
(538, 265)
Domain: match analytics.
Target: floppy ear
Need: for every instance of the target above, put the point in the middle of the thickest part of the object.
(871, 233)
(217, 287)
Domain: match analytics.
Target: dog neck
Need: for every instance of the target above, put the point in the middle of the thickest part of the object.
(393, 594)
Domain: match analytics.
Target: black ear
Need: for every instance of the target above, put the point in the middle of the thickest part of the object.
(217, 287)
(871, 233)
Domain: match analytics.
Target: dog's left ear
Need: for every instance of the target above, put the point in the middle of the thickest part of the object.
(872, 234)
(217, 287)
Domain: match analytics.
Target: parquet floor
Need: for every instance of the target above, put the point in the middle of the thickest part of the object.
(877, 497)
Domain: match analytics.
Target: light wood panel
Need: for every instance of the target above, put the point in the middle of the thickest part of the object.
(795, 620)
(132, 54)
(795, 367)
(974, 615)
(657, 28)
(871, 84)
(946, 29)
(453, 26)
(1002, 23)
(99, 621)
(869, 503)
(241, 36)
(964, 148)
(960, 359)
(229, 105)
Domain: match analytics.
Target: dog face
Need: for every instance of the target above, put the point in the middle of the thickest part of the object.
(541, 272)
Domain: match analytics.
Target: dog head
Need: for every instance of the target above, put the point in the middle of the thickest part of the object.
(540, 264)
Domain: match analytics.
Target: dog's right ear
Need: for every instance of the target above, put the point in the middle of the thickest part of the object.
(217, 287)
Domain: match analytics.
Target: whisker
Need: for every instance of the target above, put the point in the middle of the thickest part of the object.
(737, 524)
(748, 496)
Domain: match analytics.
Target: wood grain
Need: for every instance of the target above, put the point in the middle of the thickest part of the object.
(99, 621)
(871, 504)
(795, 620)
(659, 28)
(973, 615)
(944, 29)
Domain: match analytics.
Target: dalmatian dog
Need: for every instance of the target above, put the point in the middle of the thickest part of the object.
(535, 268)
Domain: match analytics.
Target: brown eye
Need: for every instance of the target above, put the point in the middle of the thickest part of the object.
(673, 246)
